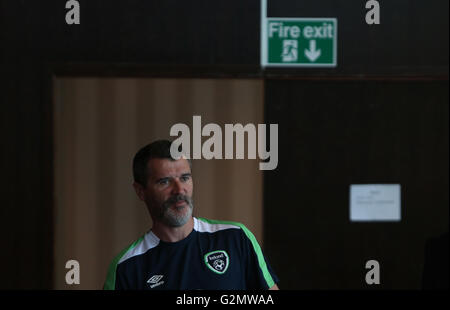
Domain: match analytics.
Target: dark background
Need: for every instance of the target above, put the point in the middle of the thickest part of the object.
(380, 116)
(339, 133)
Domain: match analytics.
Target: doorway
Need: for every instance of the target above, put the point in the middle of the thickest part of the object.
(100, 123)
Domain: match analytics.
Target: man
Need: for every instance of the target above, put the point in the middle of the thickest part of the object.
(182, 251)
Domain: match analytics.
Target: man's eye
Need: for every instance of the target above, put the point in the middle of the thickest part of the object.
(163, 182)
(185, 178)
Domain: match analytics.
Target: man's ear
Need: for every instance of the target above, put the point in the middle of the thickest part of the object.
(139, 191)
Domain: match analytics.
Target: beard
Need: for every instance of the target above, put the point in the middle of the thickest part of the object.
(176, 216)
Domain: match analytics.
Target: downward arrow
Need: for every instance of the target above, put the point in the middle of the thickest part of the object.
(312, 54)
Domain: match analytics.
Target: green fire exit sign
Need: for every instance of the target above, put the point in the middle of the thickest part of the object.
(300, 42)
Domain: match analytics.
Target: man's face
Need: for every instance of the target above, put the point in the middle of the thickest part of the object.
(168, 193)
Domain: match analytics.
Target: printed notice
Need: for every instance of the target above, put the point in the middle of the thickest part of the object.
(375, 202)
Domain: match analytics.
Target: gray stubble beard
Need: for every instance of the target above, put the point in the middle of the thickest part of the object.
(170, 217)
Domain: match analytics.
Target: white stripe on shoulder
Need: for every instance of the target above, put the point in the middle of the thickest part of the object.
(202, 226)
(148, 242)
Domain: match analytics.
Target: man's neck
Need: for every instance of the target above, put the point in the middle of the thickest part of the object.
(172, 234)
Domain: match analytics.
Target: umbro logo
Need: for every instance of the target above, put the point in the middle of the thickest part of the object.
(155, 280)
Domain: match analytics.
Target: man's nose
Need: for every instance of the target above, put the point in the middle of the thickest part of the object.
(178, 187)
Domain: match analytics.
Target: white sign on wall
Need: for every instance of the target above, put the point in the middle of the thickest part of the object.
(375, 202)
